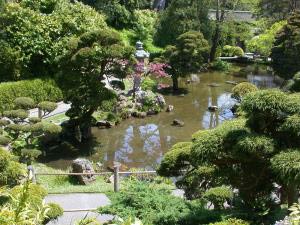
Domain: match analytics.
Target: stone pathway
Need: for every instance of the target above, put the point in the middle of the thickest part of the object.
(78, 206)
(61, 108)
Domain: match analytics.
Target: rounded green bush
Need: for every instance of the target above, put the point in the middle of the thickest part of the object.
(51, 128)
(11, 171)
(4, 140)
(175, 159)
(240, 90)
(230, 51)
(149, 84)
(4, 122)
(47, 106)
(54, 211)
(16, 114)
(30, 154)
(218, 196)
(34, 120)
(24, 103)
(231, 221)
(16, 127)
(37, 89)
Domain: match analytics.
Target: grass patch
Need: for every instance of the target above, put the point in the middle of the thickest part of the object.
(65, 184)
(57, 119)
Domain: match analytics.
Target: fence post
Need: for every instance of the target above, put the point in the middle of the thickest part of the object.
(31, 173)
(116, 177)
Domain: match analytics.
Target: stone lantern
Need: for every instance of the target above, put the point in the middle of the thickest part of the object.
(143, 58)
(141, 55)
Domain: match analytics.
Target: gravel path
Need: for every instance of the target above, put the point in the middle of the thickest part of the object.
(61, 108)
(78, 206)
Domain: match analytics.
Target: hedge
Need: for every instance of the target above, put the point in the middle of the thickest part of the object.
(37, 89)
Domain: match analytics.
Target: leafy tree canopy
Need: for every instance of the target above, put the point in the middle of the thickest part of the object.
(92, 58)
(180, 17)
(34, 33)
(286, 50)
(246, 154)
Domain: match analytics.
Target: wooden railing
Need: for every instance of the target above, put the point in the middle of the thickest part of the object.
(116, 173)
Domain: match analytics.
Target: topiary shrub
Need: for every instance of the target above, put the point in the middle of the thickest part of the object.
(47, 106)
(4, 122)
(230, 51)
(220, 65)
(148, 84)
(34, 120)
(11, 171)
(24, 103)
(240, 90)
(231, 221)
(4, 140)
(175, 159)
(29, 155)
(16, 115)
(218, 196)
(37, 89)
(54, 211)
(286, 48)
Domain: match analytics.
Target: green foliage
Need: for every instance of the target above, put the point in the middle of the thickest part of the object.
(294, 216)
(10, 62)
(187, 56)
(174, 160)
(47, 106)
(148, 204)
(4, 140)
(32, 45)
(24, 103)
(286, 48)
(218, 196)
(24, 205)
(16, 115)
(92, 56)
(293, 85)
(180, 17)
(263, 43)
(149, 84)
(230, 51)
(37, 89)
(286, 165)
(34, 120)
(231, 221)
(246, 154)
(11, 172)
(30, 155)
(54, 211)
(240, 90)
(220, 65)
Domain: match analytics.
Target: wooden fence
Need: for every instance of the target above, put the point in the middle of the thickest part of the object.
(116, 174)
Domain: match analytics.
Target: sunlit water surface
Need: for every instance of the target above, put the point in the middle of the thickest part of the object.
(143, 142)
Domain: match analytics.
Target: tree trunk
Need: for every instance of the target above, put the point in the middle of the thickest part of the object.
(175, 83)
(215, 42)
(292, 195)
(217, 35)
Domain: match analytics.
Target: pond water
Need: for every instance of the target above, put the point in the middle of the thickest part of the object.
(143, 142)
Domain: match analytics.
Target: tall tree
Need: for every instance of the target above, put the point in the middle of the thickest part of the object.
(182, 16)
(187, 56)
(90, 60)
(277, 10)
(249, 154)
(286, 51)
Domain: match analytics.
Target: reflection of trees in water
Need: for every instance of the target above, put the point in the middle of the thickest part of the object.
(224, 103)
(141, 145)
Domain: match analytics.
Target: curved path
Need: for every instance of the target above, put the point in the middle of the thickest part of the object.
(79, 206)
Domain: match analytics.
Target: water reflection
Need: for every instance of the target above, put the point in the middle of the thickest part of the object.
(143, 142)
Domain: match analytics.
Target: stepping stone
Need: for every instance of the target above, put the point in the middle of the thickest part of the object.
(78, 206)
